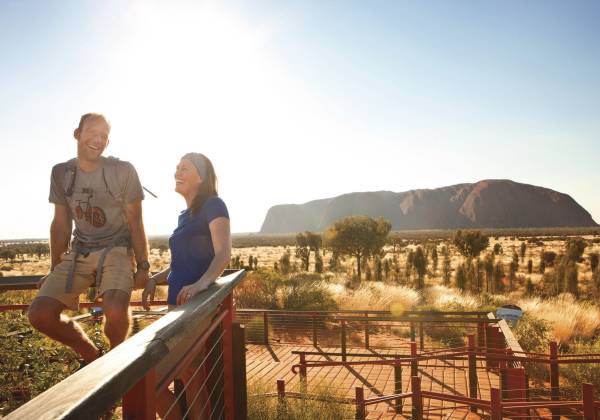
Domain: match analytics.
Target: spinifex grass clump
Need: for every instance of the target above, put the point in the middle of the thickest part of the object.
(317, 403)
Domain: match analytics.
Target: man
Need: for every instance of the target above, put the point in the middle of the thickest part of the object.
(104, 198)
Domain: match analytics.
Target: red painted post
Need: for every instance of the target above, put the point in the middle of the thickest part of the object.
(281, 409)
(302, 367)
(589, 408)
(398, 385)
(343, 340)
(367, 330)
(139, 403)
(414, 364)
(266, 328)
(421, 337)
(472, 369)
(228, 359)
(360, 403)
(480, 335)
(314, 330)
(554, 378)
(417, 398)
(496, 403)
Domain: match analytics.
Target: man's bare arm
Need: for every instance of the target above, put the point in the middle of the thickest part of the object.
(139, 242)
(60, 233)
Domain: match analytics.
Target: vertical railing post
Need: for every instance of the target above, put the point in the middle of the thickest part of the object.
(496, 402)
(589, 407)
(421, 337)
(367, 330)
(266, 328)
(414, 364)
(554, 378)
(472, 370)
(398, 384)
(413, 337)
(281, 407)
(314, 330)
(302, 367)
(228, 358)
(360, 403)
(139, 402)
(480, 335)
(239, 371)
(417, 398)
(343, 332)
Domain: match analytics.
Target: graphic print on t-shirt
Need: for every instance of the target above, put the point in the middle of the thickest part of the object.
(87, 211)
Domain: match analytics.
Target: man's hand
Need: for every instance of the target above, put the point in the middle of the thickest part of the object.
(148, 293)
(140, 279)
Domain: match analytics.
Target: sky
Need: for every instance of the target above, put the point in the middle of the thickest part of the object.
(300, 100)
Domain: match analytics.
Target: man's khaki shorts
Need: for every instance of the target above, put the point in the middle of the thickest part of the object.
(117, 273)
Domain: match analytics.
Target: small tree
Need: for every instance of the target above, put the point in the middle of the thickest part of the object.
(489, 272)
(530, 266)
(386, 268)
(378, 269)
(446, 269)
(420, 263)
(498, 277)
(470, 243)
(593, 261)
(284, 262)
(498, 249)
(318, 263)
(574, 249)
(434, 259)
(358, 236)
(523, 249)
(461, 277)
(572, 281)
(302, 250)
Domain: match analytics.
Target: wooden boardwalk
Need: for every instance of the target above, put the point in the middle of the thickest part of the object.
(267, 364)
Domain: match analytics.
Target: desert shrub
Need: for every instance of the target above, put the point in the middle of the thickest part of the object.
(258, 290)
(549, 257)
(317, 403)
(578, 373)
(306, 292)
(534, 335)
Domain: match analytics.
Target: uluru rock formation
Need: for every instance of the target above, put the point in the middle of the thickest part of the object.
(492, 203)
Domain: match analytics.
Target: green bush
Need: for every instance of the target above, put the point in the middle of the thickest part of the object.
(534, 335)
(306, 292)
(578, 373)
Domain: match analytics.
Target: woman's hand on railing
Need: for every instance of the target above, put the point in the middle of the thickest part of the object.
(188, 292)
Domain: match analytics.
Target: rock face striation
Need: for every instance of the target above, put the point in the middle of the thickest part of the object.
(492, 203)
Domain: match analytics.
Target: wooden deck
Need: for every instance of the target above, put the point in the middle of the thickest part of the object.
(267, 364)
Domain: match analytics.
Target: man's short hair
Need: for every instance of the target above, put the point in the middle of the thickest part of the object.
(91, 116)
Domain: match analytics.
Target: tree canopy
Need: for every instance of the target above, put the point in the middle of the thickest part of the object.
(358, 236)
(470, 243)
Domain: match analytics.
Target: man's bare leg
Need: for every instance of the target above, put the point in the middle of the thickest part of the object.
(45, 315)
(116, 311)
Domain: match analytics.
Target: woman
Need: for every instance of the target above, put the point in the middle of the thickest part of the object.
(201, 243)
(200, 251)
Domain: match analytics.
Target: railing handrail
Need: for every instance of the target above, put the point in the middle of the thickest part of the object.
(96, 388)
(509, 337)
(362, 311)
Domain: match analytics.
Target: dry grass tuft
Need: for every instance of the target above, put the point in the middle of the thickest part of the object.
(568, 318)
(376, 296)
(443, 297)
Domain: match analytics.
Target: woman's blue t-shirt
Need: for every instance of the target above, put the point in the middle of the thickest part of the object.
(191, 246)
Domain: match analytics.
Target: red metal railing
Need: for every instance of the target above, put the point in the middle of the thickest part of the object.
(180, 366)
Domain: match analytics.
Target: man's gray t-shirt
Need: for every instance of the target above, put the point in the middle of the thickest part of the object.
(98, 199)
